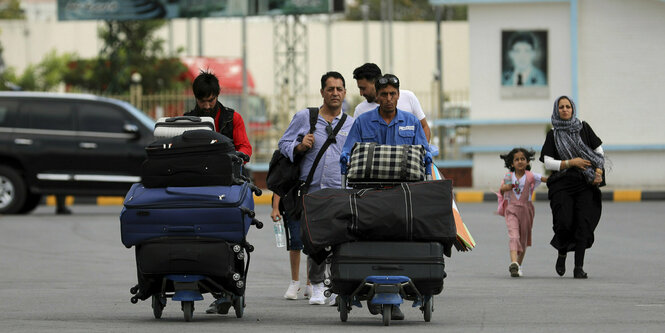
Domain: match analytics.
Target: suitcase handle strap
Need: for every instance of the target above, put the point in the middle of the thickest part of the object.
(404, 162)
(370, 160)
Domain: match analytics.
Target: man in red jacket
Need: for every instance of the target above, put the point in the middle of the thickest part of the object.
(227, 121)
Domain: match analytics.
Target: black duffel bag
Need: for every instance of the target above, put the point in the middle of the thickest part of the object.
(419, 211)
(194, 158)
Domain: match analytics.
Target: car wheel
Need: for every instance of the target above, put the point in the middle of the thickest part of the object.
(12, 191)
(31, 202)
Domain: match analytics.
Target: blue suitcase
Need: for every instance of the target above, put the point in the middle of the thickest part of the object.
(218, 212)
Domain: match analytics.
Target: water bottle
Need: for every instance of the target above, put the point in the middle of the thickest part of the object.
(508, 179)
(280, 238)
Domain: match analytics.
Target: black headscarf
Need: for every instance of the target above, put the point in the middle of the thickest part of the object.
(569, 143)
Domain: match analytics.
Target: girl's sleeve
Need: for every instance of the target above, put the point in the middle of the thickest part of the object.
(537, 179)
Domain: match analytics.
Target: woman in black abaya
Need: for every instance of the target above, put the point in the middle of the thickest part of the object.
(574, 153)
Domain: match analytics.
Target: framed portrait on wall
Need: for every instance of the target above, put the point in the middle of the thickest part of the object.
(524, 71)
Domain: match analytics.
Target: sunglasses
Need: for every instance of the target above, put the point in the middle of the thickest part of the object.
(386, 80)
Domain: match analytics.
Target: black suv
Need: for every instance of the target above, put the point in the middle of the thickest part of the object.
(70, 144)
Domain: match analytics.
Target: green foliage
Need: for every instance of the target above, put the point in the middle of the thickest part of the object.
(45, 76)
(129, 47)
(404, 10)
(11, 10)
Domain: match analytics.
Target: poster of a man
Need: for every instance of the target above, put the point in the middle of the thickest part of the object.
(524, 58)
(524, 63)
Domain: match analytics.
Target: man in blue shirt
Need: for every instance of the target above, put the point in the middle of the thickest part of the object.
(297, 140)
(386, 124)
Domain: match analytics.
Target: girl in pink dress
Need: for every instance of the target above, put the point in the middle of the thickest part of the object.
(515, 204)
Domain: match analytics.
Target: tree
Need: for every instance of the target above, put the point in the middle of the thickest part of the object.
(129, 47)
(44, 76)
(11, 10)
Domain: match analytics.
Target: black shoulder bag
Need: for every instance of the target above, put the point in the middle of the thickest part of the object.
(293, 199)
(282, 173)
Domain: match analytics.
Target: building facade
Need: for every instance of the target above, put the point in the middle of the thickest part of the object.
(606, 54)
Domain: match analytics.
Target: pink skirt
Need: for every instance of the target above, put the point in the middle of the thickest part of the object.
(519, 220)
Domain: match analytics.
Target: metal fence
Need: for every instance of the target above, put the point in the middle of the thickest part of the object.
(265, 134)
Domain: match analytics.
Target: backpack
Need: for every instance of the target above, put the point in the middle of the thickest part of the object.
(282, 173)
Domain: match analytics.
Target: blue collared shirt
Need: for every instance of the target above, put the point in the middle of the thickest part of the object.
(405, 128)
(328, 173)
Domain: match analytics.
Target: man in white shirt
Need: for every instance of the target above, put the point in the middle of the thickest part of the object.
(365, 76)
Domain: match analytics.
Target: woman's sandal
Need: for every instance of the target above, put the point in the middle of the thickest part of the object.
(561, 265)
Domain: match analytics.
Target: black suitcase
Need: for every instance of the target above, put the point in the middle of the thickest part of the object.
(213, 258)
(422, 262)
(195, 158)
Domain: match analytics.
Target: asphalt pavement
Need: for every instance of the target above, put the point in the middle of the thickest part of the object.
(72, 274)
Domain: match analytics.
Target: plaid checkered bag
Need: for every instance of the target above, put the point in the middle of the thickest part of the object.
(371, 162)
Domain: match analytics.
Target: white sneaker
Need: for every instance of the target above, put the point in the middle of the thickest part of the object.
(514, 268)
(332, 300)
(519, 271)
(292, 291)
(308, 291)
(317, 297)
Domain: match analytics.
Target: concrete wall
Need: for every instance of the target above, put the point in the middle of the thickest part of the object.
(485, 25)
(622, 84)
(414, 48)
(622, 72)
(621, 81)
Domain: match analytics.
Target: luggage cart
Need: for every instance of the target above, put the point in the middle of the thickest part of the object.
(228, 289)
(372, 272)
(383, 292)
(183, 258)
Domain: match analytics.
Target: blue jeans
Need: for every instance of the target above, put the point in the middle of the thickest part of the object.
(293, 230)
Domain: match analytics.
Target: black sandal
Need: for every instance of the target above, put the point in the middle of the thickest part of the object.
(561, 265)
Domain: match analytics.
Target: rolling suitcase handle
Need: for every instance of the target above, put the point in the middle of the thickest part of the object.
(193, 119)
(387, 267)
(179, 228)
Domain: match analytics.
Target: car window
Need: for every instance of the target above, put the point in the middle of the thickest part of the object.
(51, 115)
(7, 113)
(100, 118)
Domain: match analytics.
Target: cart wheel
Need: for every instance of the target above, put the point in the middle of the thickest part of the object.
(157, 306)
(387, 313)
(239, 306)
(343, 308)
(428, 308)
(188, 309)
